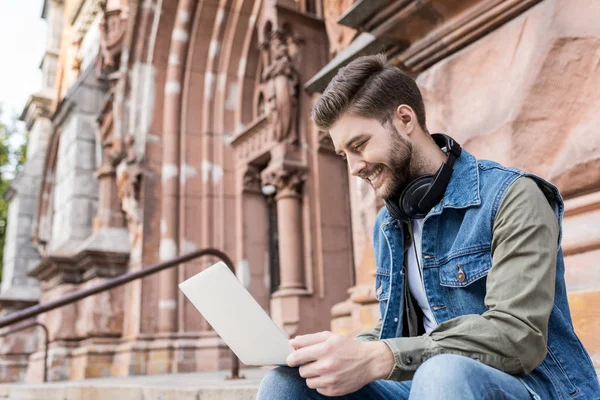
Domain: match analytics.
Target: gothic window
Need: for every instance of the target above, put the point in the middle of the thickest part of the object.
(273, 244)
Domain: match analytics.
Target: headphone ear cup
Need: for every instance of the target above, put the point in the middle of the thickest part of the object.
(412, 195)
(394, 210)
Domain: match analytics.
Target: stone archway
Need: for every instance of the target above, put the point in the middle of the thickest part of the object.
(280, 149)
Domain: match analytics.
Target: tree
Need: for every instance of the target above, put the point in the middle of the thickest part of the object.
(13, 152)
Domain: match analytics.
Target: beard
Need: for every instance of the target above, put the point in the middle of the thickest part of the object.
(398, 167)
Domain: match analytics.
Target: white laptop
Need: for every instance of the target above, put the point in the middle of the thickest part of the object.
(234, 314)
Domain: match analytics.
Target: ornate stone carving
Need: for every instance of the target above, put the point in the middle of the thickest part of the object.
(280, 82)
(112, 32)
(130, 149)
(111, 154)
(288, 179)
(129, 182)
(253, 141)
(251, 180)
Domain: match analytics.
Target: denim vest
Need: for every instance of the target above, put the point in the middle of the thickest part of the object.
(466, 216)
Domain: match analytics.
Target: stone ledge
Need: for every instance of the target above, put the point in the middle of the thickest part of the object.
(187, 386)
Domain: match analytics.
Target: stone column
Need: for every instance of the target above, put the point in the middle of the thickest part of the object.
(287, 173)
(170, 191)
(288, 181)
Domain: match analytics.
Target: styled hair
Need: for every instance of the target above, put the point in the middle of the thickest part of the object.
(370, 88)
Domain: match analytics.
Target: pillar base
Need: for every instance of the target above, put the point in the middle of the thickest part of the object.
(163, 354)
(93, 359)
(13, 369)
(59, 362)
(357, 314)
(286, 310)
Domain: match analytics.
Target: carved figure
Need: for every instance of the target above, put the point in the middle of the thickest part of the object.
(281, 88)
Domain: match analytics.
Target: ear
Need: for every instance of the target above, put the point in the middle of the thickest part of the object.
(406, 117)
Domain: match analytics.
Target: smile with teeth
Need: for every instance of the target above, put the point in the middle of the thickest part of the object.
(375, 174)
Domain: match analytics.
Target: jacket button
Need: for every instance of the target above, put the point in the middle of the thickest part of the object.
(460, 275)
(408, 359)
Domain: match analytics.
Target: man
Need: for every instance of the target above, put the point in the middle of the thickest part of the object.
(469, 270)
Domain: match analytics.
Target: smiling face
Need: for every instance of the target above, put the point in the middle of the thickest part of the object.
(375, 115)
(379, 154)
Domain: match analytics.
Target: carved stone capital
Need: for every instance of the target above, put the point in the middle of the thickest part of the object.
(251, 180)
(287, 178)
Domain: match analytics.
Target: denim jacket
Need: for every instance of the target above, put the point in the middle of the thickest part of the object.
(459, 230)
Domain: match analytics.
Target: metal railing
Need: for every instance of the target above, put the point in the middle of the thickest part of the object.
(112, 283)
(46, 338)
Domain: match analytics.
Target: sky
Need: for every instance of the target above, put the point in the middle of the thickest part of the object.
(22, 45)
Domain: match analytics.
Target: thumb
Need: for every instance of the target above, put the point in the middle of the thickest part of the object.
(308, 340)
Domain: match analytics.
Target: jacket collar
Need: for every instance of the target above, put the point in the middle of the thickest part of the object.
(463, 188)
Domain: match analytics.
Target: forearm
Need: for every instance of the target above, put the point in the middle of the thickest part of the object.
(474, 336)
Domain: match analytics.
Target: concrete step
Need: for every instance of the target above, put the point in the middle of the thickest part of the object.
(189, 386)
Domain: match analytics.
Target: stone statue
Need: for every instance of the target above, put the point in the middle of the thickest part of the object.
(281, 88)
(112, 33)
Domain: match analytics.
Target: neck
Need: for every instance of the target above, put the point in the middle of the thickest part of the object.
(427, 156)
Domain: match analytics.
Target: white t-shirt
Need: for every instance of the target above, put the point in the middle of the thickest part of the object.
(415, 276)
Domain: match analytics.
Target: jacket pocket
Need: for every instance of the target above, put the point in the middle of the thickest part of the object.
(382, 290)
(382, 285)
(463, 283)
(463, 270)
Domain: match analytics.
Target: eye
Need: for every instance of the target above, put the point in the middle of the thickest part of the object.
(359, 146)
(343, 156)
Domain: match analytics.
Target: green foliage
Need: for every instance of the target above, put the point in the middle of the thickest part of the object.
(12, 158)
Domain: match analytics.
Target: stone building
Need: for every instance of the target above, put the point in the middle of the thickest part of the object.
(166, 126)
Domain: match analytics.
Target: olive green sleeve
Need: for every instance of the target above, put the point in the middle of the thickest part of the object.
(372, 334)
(512, 334)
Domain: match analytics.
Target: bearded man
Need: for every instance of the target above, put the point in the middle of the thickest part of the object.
(469, 266)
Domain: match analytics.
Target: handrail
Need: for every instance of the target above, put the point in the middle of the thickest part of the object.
(112, 283)
(46, 340)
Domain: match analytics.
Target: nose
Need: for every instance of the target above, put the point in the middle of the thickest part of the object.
(356, 165)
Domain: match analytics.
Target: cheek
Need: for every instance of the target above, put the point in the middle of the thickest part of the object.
(376, 156)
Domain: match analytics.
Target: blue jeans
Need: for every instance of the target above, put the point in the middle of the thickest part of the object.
(446, 376)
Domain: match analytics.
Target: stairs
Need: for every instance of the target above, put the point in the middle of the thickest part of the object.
(188, 386)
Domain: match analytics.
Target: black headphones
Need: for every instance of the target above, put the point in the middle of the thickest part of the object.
(423, 193)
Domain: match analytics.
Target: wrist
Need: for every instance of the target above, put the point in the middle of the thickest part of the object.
(381, 360)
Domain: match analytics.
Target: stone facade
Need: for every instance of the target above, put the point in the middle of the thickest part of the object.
(167, 130)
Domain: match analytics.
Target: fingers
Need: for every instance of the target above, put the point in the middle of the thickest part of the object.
(307, 354)
(309, 370)
(327, 386)
(318, 382)
(308, 340)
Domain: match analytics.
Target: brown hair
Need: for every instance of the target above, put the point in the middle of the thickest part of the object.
(370, 88)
